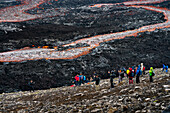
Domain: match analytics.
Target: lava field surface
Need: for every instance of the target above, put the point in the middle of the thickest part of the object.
(49, 24)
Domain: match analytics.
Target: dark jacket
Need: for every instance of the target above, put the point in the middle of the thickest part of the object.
(97, 81)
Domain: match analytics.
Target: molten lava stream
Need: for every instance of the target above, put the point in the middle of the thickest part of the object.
(103, 38)
(134, 2)
(17, 14)
(42, 53)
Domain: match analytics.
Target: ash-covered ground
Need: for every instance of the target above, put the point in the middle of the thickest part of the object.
(77, 20)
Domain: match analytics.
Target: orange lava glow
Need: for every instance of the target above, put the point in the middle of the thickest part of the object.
(17, 13)
(46, 53)
(100, 5)
(143, 2)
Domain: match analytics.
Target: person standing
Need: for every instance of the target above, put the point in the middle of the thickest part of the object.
(131, 72)
(151, 74)
(76, 80)
(31, 85)
(141, 68)
(112, 76)
(84, 79)
(166, 69)
(127, 72)
(93, 76)
(124, 71)
(138, 73)
(144, 70)
(163, 67)
(97, 82)
(121, 75)
(117, 73)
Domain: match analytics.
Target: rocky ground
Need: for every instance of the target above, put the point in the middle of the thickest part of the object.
(144, 97)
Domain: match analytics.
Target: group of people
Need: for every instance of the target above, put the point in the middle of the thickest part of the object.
(130, 73)
(80, 79)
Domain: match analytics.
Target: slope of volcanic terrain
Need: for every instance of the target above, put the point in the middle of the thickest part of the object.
(137, 98)
(51, 41)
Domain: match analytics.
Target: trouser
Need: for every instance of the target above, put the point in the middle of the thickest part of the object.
(151, 79)
(167, 70)
(97, 87)
(120, 79)
(137, 79)
(76, 83)
(130, 80)
(112, 85)
(163, 69)
(79, 83)
(31, 88)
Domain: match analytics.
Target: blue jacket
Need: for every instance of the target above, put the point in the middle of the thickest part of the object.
(166, 67)
(138, 72)
(80, 76)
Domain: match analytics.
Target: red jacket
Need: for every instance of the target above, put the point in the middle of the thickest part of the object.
(77, 78)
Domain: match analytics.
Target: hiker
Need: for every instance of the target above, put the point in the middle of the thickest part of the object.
(163, 67)
(144, 70)
(117, 73)
(121, 75)
(141, 68)
(109, 73)
(112, 76)
(93, 76)
(76, 80)
(166, 69)
(124, 71)
(84, 79)
(97, 82)
(136, 69)
(151, 74)
(31, 85)
(80, 79)
(127, 72)
(133, 70)
(131, 74)
(138, 73)
(87, 79)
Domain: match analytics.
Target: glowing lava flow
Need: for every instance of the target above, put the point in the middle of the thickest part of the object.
(134, 2)
(17, 14)
(33, 54)
(143, 2)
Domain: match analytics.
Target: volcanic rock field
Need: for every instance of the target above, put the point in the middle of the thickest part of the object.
(55, 26)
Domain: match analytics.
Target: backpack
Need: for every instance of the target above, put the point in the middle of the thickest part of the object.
(137, 71)
(84, 78)
(151, 73)
(127, 71)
